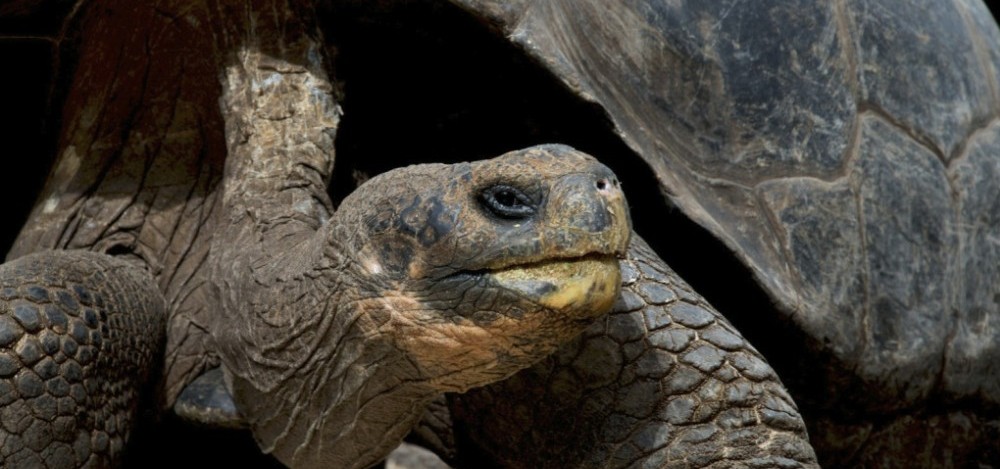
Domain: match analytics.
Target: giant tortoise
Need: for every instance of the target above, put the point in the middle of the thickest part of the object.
(840, 150)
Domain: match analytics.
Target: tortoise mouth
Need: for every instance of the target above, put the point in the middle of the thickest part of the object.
(585, 285)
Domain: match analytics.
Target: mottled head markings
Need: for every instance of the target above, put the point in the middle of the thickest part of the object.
(491, 264)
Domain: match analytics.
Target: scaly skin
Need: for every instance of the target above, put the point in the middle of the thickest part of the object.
(335, 339)
(664, 381)
(79, 335)
(428, 279)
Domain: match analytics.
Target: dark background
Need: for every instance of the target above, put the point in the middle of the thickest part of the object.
(422, 82)
(469, 86)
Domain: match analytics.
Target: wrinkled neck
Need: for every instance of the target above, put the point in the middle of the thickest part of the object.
(309, 350)
(350, 404)
(311, 367)
(315, 372)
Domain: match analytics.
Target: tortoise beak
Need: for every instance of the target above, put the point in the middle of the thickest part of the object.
(587, 286)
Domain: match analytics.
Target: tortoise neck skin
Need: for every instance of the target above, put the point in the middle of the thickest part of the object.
(309, 365)
(336, 329)
(420, 284)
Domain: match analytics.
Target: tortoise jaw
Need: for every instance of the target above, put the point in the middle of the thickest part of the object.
(584, 286)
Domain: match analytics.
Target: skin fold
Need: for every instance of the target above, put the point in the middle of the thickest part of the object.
(411, 289)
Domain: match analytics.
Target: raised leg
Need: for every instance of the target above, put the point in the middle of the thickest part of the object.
(79, 335)
(664, 381)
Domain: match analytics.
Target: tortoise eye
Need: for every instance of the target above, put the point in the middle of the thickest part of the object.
(507, 202)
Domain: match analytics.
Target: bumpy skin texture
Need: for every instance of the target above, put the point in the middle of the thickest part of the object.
(334, 347)
(79, 335)
(847, 153)
(718, 403)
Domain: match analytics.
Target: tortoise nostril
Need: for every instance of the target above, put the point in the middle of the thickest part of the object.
(606, 184)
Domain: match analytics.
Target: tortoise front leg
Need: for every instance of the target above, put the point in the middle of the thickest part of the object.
(664, 381)
(79, 333)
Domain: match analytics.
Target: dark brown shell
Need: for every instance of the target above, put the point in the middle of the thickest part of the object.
(847, 152)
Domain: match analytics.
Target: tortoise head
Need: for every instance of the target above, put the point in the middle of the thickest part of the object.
(484, 268)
